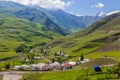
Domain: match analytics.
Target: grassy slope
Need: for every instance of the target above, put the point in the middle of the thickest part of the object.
(104, 61)
(107, 36)
(71, 75)
(14, 31)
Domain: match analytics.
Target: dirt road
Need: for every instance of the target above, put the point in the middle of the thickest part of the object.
(45, 58)
(11, 76)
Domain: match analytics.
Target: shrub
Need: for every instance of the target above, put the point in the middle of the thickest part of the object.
(22, 48)
(7, 66)
(81, 57)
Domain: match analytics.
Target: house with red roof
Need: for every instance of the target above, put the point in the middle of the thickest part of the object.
(67, 66)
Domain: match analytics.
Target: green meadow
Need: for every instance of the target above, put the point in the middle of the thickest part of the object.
(87, 74)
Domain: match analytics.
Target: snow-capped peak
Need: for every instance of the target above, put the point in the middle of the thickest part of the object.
(99, 14)
(113, 12)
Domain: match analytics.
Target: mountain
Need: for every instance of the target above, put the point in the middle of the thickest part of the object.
(16, 31)
(98, 40)
(69, 21)
(32, 14)
(88, 20)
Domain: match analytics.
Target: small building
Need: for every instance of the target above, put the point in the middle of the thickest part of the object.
(67, 66)
(72, 63)
(41, 65)
(38, 58)
(54, 64)
(22, 67)
(60, 54)
(66, 56)
(84, 61)
(27, 60)
(38, 66)
(34, 67)
(16, 67)
(59, 67)
(47, 67)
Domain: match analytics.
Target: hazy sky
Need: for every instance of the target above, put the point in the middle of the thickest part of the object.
(77, 7)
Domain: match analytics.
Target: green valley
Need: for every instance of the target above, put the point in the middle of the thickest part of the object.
(15, 31)
(98, 40)
(37, 43)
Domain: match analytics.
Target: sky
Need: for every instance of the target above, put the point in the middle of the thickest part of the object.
(90, 7)
(76, 7)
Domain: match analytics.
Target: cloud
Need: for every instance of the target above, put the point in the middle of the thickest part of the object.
(50, 4)
(98, 5)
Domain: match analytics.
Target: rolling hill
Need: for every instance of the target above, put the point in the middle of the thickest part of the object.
(101, 39)
(16, 31)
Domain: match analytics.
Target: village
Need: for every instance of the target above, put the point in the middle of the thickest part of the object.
(17, 71)
(54, 64)
(49, 66)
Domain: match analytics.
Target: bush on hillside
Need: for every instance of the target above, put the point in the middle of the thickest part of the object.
(22, 48)
(81, 57)
(7, 66)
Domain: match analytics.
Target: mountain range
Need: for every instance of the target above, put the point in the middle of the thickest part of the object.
(56, 20)
(69, 21)
(31, 14)
(100, 39)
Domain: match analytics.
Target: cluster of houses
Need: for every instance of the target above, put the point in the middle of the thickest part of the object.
(45, 67)
(58, 54)
(48, 66)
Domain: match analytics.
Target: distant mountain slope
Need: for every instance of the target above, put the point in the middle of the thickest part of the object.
(69, 21)
(32, 14)
(56, 20)
(88, 20)
(98, 40)
(8, 5)
(103, 22)
(15, 31)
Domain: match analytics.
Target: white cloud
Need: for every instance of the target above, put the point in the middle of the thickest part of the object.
(70, 3)
(98, 5)
(50, 4)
